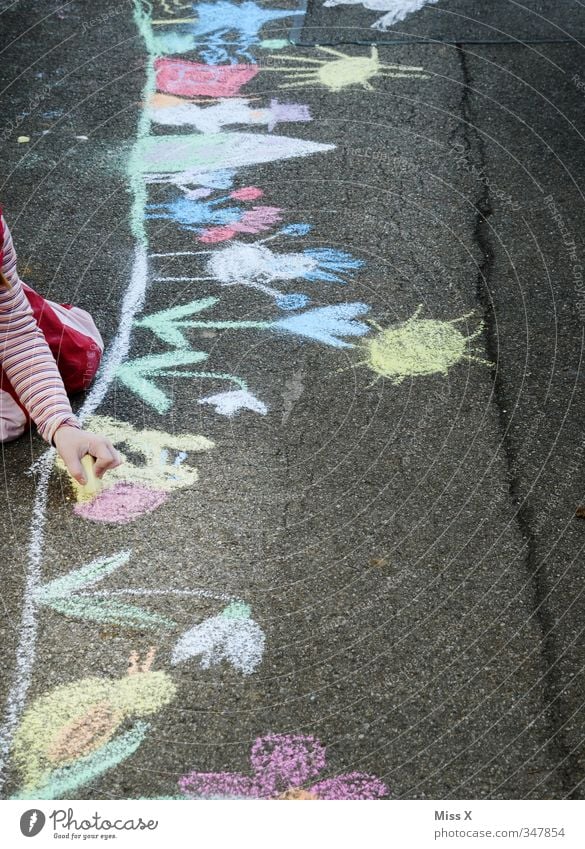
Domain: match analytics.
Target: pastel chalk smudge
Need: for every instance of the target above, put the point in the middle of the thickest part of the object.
(121, 504)
(193, 79)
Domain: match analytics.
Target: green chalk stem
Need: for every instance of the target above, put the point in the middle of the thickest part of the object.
(81, 578)
(63, 781)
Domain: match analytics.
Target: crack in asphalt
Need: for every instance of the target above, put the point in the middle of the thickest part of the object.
(561, 752)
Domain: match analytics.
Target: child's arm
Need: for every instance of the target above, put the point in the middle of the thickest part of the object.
(31, 368)
(29, 364)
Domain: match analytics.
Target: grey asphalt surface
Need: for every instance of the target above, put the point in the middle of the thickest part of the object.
(410, 550)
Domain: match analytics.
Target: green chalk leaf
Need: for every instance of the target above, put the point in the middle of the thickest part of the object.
(137, 375)
(80, 578)
(166, 324)
(108, 612)
(64, 780)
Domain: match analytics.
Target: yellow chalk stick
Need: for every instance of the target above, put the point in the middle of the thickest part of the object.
(94, 485)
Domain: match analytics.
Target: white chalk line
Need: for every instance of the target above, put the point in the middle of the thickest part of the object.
(118, 350)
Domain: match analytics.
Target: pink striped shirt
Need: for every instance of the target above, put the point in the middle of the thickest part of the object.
(25, 356)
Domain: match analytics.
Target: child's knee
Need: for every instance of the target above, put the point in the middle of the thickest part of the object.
(13, 420)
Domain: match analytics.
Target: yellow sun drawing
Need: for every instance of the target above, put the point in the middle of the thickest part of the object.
(418, 347)
(343, 71)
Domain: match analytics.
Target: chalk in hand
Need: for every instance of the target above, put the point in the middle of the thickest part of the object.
(89, 490)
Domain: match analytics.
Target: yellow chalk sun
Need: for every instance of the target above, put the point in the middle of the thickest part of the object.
(342, 72)
(418, 347)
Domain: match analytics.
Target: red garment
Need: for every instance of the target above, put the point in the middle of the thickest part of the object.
(47, 349)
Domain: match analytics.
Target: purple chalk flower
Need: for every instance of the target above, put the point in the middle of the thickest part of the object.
(284, 767)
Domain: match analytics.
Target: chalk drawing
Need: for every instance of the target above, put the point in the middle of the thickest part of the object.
(63, 596)
(230, 403)
(137, 375)
(224, 29)
(194, 79)
(250, 263)
(255, 266)
(79, 719)
(397, 10)
(134, 489)
(217, 151)
(170, 6)
(283, 766)
(63, 781)
(176, 112)
(197, 215)
(231, 636)
(84, 718)
(419, 347)
(322, 324)
(342, 72)
(121, 504)
(115, 354)
(186, 180)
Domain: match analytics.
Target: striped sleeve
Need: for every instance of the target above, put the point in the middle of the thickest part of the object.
(25, 356)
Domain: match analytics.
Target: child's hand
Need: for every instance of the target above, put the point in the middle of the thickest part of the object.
(73, 444)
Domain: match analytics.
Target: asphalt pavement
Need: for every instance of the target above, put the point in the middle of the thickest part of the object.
(400, 531)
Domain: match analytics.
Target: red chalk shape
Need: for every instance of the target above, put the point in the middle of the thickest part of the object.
(121, 504)
(178, 76)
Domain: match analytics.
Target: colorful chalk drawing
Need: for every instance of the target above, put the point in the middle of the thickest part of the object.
(255, 266)
(419, 347)
(214, 222)
(193, 79)
(396, 10)
(217, 151)
(77, 731)
(322, 324)
(134, 489)
(176, 112)
(224, 29)
(231, 636)
(341, 72)
(68, 595)
(67, 737)
(283, 766)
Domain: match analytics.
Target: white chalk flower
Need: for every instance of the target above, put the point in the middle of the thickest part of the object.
(231, 402)
(230, 636)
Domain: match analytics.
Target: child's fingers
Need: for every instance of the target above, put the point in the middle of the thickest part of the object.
(73, 463)
(106, 457)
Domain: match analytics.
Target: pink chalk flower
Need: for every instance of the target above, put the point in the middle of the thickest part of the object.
(284, 766)
(247, 193)
(121, 503)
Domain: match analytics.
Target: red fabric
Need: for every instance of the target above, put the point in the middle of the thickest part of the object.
(77, 355)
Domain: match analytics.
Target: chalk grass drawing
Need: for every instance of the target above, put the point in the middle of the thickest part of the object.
(66, 595)
(341, 72)
(396, 10)
(79, 721)
(419, 347)
(283, 766)
(177, 112)
(322, 324)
